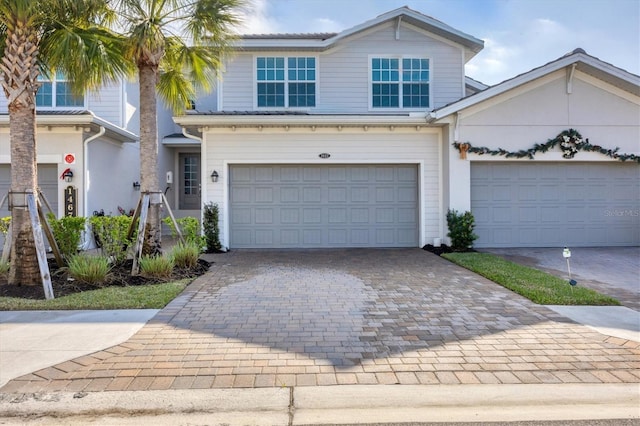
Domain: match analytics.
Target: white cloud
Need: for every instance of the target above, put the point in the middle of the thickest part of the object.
(326, 25)
(256, 19)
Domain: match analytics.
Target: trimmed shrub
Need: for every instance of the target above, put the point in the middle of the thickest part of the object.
(110, 233)
(89, 269)
(159, 267)
(185, 255)
(190, 229)
(67, 231)
(211, 228)
(461, 230)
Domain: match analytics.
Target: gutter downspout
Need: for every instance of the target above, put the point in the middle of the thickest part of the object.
(85, 160)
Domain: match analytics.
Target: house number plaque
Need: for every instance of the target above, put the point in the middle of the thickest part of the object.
(324, 155)
(70, 201)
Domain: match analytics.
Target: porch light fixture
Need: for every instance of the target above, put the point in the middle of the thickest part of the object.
(67, 175)
(214, 176)
(136, 186)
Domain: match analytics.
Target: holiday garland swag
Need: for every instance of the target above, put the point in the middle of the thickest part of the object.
(570, 142)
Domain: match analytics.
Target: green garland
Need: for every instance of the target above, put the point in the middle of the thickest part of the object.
(570, 141)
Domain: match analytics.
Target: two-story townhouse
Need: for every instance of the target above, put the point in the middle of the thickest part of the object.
(87, 136)
(347, 140)
(323, 140)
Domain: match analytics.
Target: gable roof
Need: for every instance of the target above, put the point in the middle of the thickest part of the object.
(324, 41)
(579, 58)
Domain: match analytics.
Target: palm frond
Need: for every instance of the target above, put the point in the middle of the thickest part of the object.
(89, 57)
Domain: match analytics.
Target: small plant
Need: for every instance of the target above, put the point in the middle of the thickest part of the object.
(159, 267)
(67, 231)
(185, 255)
(461, 230)
(211, 228)
(91, 270)
(110, 233)
(4, 224)
(190, 229)
(4, 268)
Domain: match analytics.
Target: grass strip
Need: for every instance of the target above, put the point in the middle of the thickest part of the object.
(152, 296)
(537, 286)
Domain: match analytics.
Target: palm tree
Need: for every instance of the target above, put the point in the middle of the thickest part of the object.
(178, 46)
(46, 36)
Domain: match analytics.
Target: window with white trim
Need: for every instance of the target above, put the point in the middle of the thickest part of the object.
(56, 93)
(286, 82)
(399, 83)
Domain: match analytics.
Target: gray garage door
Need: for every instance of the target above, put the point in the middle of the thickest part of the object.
(323, 206)
(47, 179)
(556, 204)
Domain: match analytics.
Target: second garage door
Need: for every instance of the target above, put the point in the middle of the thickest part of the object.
(522, 204)
(274, 206)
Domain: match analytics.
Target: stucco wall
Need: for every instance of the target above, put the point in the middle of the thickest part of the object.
(112, 167)
(537, 112)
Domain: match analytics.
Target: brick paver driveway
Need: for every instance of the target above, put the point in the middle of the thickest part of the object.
(296, 318)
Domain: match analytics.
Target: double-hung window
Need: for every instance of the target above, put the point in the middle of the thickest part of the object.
(399, 83)
(286, 82)
(56, 92)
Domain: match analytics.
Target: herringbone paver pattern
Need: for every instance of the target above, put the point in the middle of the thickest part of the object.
(327, 317)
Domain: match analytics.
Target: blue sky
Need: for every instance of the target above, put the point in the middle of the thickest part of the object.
(519, 34)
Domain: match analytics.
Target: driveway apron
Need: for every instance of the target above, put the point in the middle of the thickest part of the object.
(353, 316)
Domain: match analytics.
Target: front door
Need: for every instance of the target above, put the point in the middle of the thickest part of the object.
(189, 183)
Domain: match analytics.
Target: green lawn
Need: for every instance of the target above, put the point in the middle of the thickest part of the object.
(153, 296)
(535, 285)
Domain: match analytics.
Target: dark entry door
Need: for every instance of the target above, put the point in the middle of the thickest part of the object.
(189, 181)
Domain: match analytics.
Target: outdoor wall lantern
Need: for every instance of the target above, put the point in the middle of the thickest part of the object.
(67, 175)
(136, 186)
(214, 176)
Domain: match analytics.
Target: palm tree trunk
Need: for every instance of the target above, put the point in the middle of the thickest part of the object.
(149, 156)
(20, 71)
(24, 262)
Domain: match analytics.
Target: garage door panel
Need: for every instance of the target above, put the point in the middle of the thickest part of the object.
(324, 206)
(290, 237)
(338, 195)
(556, 204)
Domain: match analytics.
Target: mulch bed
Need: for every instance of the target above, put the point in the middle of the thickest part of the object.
(119, 276)
(438, 250)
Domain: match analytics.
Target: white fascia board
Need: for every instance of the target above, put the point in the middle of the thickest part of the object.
(300, 120)
(533, 75)
(79, 120)
(472, 43)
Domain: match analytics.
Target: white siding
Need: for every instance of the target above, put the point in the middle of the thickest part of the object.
(349, 146)
(238, 84)
(343, 71)
(107, 103)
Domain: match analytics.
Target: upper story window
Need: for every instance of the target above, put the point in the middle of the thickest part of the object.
(56, 93)
(399, 83)
(286, 82)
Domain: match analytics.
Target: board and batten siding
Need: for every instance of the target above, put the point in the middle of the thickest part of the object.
(223, 148)
(343, 71)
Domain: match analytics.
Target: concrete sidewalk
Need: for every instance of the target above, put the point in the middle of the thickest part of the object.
(32, 340)
(328, 405)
